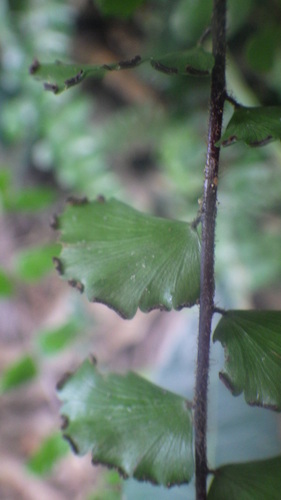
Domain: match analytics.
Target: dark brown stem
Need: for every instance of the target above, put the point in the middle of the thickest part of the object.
(208, 216)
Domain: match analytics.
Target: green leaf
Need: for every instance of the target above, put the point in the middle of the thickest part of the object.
(18, 373)
(109, 487)
(29, 199)
(59, 76)
(257, 480)
(262, 46)
(126, 259)
(193, 62)
(255, 126)
(55, 340)
(252, 344)
(119, 8)
(50, 451)
(6, 284)
(34, 263)
(129, 424)
(5, 181)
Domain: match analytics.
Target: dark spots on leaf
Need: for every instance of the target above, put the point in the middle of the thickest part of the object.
(145, 477)
(73, 445)
(230, 140)
(64, 422)
(196, 72)
(131, 63)
(186, 304)
(266, 406)
(76, 284)
(66, 376)
(93, 360)
(75, 201)
(196, 221)
(100, 198)
(189, 405)
(52, 87)
(164, 69)
(34, 67)
(121, 472)
(70, 82)
(108, 67)
(58, 265)
(272, 407)
(122, 314)
(263, 142)
(225, 380)
(54, 223)
(162, 307)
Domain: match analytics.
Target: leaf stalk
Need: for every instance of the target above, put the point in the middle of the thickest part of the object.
(208, 218)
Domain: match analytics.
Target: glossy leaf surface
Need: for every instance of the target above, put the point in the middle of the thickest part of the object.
(194, 62)
(252, 344)
(257, 480)
(130, 424)
(255, 126)
(126, 259)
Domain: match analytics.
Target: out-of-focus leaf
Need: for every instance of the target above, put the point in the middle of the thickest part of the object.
(110, 488)
(189, 19)
(18, 373)
(255, 126)
(262, 47)
(130, 424)
(252, 344)
(59, 76)
(193, 62)
(6, 285)
(119, 8)
(50, 451)
(55, 340)
(29, 199)
(34, 263)
(5, 180)
(259, 480)
(238, 12)
(126, 259)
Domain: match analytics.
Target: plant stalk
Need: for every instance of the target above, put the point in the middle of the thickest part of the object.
(208, 219)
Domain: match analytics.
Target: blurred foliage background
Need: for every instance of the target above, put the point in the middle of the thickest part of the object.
(139, 136)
